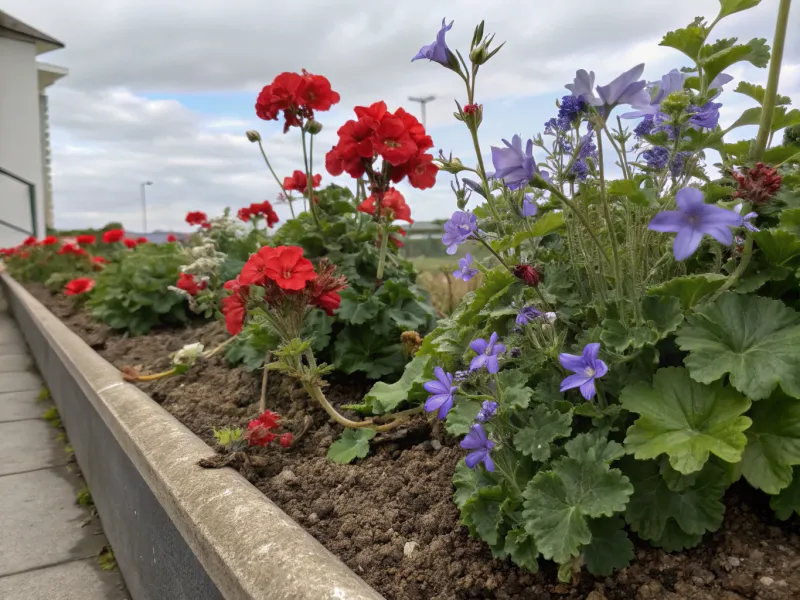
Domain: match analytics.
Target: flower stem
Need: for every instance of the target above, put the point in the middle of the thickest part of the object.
(740, 269)
(211, 353)
(610, 225)
(316, 393)
(310, 183)
(156, 375)
(582, 218)
(765, 128)
(262, 402)
(271, 170)
(384, 248)
(490, 249)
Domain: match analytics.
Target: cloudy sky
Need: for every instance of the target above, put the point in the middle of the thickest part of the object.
(164, 91)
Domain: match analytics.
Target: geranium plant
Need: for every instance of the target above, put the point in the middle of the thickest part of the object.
(633, 348)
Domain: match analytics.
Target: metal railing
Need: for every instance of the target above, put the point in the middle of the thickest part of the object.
(32, 197)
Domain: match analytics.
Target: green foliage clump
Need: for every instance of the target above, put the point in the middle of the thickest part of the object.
(132, 292)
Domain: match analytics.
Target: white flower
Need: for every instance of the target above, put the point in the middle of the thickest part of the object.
(188, 355)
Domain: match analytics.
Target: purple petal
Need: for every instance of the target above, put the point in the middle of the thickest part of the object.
(488, 463)
(572, 363)
(600, 368)
(590, 352)
(720, 216)
(669, 221)
(612, 92)
(492, 365)
(473, 458)
(686, 242)
(493, 338)
(445, 408)
(441, 402)
(721, 233)
(476, 438)
(436, 387)
(478, 362)
(689, 199)
(478, 345)
(498, 348)
(574, 381)
(588, 390)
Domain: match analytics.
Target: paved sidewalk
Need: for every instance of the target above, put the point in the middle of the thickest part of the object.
(47, 549)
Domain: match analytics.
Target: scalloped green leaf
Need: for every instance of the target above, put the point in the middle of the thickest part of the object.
(779, 246)
(559, 503)
(627, 188)
(521, 548)
(385, 397)
(685, 420)
(352, 444)
(757, 93)
(773, 443)
(729, 7)
(548, 223)
(594, 446)
(755, 340)
(462, 416)
(688, 40)
(468, 481)
(787, 502)
(662, 313)
(358, 310)
(690, 289)
(544, 426)
(481, 513)
(495, 285)
(756, 52)
(610, 548)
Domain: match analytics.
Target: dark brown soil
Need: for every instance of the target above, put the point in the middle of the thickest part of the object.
(391, 518)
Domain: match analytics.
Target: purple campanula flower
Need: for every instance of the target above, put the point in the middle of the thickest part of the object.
(515, 167)
(586, 368)
(464, 271)
(487, 354)
(705, 116)
(693, 219)
(582, 88)
(516, 353)
(442, 389)
(529, 207)
(488, 408)
(587, 148)
(528, 314)
(625, 89)
(656, 157)
(580, 170)
(719, 81)
(474, 186)
(747, 218)
(480, 444)
(461, 226)
(437, 51)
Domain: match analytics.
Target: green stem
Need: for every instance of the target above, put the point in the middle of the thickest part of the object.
(495, 254)
(384, 247)
(279, 182)
(309, 184)
(740, 269)
(765, 128)
(582, 218)
(610, 225)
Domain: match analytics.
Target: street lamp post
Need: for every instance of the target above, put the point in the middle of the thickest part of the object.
(422, 102)
(143, 185)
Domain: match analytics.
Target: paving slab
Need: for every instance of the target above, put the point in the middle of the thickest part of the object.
(41, 522)
(10, 363)
(79, 580)
(28, 445)
(19, 381)
(15, 406)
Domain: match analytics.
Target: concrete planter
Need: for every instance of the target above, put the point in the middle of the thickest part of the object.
(178, 531)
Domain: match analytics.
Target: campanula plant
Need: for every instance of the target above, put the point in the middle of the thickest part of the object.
(633, 346)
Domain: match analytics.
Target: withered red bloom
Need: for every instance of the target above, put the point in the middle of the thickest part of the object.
(328, 301)
(393, 206)
(86, 239)
(299, 182)
(51, 240)
(188, 284)
(113, 235)
(268, 419)
(78, 286)
(758, 184)
(286, 440)
(530, 275)
(129, 243)
(196, 217)
(258, 435)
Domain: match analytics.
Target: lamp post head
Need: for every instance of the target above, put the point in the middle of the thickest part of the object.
(147, 183)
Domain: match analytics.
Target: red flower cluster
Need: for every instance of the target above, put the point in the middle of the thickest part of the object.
(129, 243)
(393, 206)
(113, 235)
(188, 284)
(234, 307)
(30, 241)
(299, 181)
(98, 262)
(197, 217)
(72, 249)
(757, 185)
(50, 240)
(142, 240)
(259, 430)
(259, 209)
(86, 239)
(78, 286)
(171, 238)
(298, 96)
(284, 265)
(398, 138)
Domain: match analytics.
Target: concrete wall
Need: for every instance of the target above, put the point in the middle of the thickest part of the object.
(20, 139)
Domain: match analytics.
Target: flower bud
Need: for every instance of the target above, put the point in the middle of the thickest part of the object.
(450, 165)
(462, 199)
(313, 127)
(253, 135)
(481, 54)
(530, 275)
(675, 103)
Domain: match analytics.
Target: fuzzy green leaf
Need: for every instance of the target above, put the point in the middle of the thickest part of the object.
(690, 289)
(662, 313)
(756, 52)
(773, 443)
(756, 340)
(462, 416)
(548, 223)
(594, 446)
(559, 503)
(619, 337)
(685, 420)
(352, 444)
(544, 427)
(757, 93)
(729, 7)
(521, 548)
(627, 188)
(610, 548)
(788, 501)
(358, 310)
(468, 481)
(780, 247)
(516, 393)
(495, 286)
(688, 40)
(385, 397)
(481, 513)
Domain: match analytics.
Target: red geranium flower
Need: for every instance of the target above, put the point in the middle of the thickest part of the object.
(50, 240)
(393, 206)
(129, 243)
(375, 111)
(258, 435)
(234, 307)
(328, 301)
(315, 92)
(171, 238)
(286, 440)
(268, 419)
(284, 265)
(113, 235)
(29, 241)
(415, 129)
(298, 96)
(422, 171)
(142, 240)
(244, 214)
(188, 284)
(298, 181)
(86, 239)
(263, 209)
(393, 142)
(71, 249)
(78, 286)
(196, 218)
(98, 262)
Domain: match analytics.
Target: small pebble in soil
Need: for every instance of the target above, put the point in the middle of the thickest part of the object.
(408, 548)
(767, 581)
(733, 561)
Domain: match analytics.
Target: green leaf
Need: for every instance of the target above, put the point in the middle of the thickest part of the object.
(495, 286)
(559, 503)
(790, 220)
(756, 340)
(522, 549)
(610, 548)
(779, 246)
(788, 501)
(619, 337)
(757, 93)
(352, 444)
(385, 397)
(685, 420)
(662, 313)
(691, 512)
(751, 116)
(462, 416)
(755, 52)
(468, 481)
(729, 7)
(514, 386)
(689, 289)
(548, 223)
(594, 446)
(773, 443)
(481, 513)
(544, 426)
(358, 310)
(688, 40)
(627, 188)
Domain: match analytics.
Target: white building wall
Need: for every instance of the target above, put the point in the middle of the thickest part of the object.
(20, 136)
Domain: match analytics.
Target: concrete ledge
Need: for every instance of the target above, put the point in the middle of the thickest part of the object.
(178, 531)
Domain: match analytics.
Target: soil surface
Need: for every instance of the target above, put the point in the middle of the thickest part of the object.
(391, 518)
